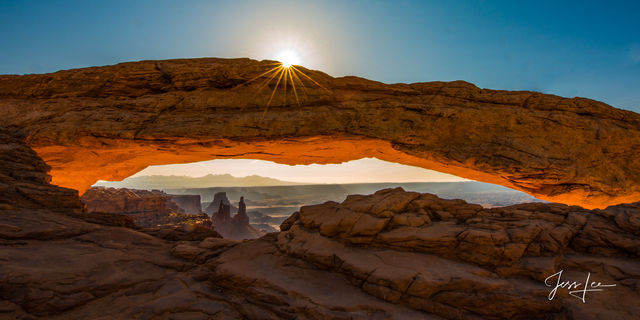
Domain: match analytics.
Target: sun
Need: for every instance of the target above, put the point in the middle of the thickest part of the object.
(290, 79)
(288, 58)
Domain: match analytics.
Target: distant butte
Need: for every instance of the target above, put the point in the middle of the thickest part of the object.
(110, 122)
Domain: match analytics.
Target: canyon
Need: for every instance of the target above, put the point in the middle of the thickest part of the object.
(156, 209)
(391, 254)
(146, 208)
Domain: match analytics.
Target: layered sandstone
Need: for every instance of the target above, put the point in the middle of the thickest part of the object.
(214, 206)
(58, 262)
(129, 201)
(147, 208)
(394, 254)
(447, 258)
(235, 227)
(110, 122)
(24, 181)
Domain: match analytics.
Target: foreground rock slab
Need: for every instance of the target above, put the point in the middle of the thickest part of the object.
(460, 261)
(110, 122)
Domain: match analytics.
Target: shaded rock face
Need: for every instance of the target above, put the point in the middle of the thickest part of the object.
(24, 182)
(189, 203)
(223, 216)
(129, 201)
(214, 206)
(241, 217)
(370, 257)
(236, 227)
(110, 122)
(147, 208)
(61, 263)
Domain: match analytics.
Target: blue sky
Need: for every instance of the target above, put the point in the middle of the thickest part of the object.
(578, 48)
(572, 48)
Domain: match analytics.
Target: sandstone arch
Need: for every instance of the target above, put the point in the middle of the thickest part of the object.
(110, 122)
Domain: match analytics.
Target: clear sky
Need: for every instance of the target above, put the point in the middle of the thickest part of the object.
(569, 48)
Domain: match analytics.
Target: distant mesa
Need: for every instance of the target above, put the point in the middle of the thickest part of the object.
(235, 227)
(210, 180)
(214, 206)
(147, 208)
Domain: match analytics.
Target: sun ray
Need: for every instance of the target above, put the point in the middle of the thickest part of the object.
(287, 73)
(258, 76)
(319, 85)
(286, 70)
(273, 93)
(270, 78)
(293, 85)
(304, 88)
(276, 88)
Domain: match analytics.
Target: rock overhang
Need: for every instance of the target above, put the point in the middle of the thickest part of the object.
(110, 122)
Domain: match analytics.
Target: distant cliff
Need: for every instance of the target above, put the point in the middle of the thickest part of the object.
(214, 206)
(147, 208)
(236, 227)
(189, 203)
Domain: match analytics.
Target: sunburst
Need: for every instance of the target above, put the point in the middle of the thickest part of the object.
(285, 74)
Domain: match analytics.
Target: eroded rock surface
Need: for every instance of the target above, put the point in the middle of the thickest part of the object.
(24, 182)
(214, 206)
(461, 261)
(236, 227)
(110, 122)
(58, 262)
(147, 208)
(393, 254)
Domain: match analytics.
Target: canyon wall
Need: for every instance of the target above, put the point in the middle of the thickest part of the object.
(24, 181)
(189, 203)
(129, 201)
(146, 208)
(110, 122)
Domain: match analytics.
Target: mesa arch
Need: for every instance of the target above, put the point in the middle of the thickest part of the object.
(110, 122)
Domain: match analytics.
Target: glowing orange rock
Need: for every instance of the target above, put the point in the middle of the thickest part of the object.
(110, 122)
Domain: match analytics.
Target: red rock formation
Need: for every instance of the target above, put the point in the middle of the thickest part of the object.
(391, 255)
(236, 227)
(446, 257)
(24, 182)
(214, 206)
(222, 216)
(147, 208)
(130, 201)
(110, 122)
(58, 262)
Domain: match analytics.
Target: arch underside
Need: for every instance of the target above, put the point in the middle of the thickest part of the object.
(107, 123)
(79, 167)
